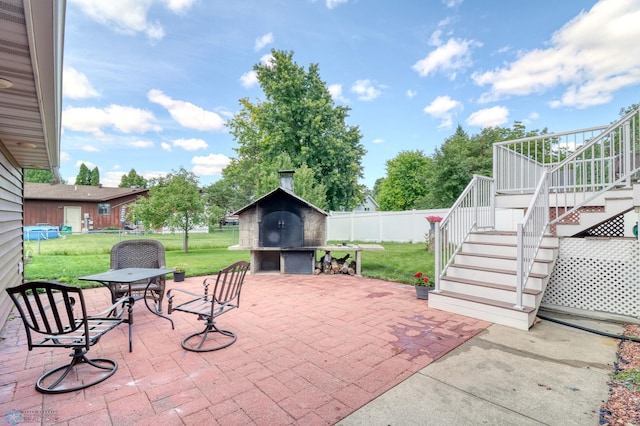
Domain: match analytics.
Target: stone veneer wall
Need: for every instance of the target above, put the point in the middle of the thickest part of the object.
(315, 227)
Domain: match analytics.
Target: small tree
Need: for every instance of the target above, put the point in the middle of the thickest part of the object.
(94, 177)
(132, 180)
(174, 201)
(84, 175)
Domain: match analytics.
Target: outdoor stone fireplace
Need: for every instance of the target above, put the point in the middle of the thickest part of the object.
(282, 231)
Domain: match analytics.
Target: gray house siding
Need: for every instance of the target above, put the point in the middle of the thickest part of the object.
(11, 184)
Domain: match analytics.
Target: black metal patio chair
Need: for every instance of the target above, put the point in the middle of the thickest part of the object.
(55, 316)
(224, 297)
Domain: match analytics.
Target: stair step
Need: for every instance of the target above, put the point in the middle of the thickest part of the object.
(507, 237)
(503, 249)
(541, 266)
(496, 271)
(498, 276)
(496, 256)
(482, 300)
(514, 245)
(531, 291)
(483, 309)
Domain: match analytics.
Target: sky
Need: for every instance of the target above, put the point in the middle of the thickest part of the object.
(149, 84)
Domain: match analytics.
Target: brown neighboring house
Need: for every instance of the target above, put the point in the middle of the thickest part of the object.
(83, 208)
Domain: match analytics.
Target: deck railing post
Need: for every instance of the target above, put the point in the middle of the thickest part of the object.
(519, 267)
(438, 259)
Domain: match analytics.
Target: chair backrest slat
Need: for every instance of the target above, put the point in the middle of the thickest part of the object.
(49, 308)
(229, 283)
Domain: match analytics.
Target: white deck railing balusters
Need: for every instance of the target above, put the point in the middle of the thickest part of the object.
(564, 171)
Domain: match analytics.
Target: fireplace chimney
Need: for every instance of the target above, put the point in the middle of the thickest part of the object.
(286, 179)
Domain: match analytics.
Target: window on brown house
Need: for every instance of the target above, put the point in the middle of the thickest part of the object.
(104, 209)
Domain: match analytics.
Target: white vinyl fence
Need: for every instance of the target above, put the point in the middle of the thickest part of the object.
(409, 226)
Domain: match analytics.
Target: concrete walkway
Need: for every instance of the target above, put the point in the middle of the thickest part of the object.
(550, 375)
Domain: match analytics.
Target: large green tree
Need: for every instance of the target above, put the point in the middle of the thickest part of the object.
(132, 180)
(174, 201)
(406, 180)
(39, 176)
(460, 157)
(298, 118)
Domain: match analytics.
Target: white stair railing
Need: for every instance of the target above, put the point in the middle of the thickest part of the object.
(531, 232)
(518, 164)
(566, 170)
(473, 210)
(609, 159)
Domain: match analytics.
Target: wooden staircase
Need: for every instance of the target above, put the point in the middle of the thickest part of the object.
(482, 281)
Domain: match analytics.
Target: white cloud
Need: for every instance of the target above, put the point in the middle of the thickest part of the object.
(263, 41)
(249, 79)
(411, 93)
(111, 179)
(192, 144)
(378, 140)
(443, 108)
(334, 3)
(141, 144)
(365, 90)
(122, 118)
(592, 57)
(179, 6)
(186, 113)
(210, 165)
(152, 174)
(448, 58)
(64, 156)
(267, 59)
(532, 117)
(165, 146)
(76, 85)
(89, 164)
(489, 117)
(89, 148)
(123, 16)
(452, 3)
(335, 90)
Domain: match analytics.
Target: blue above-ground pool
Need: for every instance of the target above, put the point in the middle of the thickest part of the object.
(41, 232)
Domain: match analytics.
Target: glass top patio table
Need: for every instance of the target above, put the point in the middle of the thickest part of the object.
(129, 276)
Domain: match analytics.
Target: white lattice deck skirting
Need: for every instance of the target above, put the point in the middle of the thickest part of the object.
(597, 274)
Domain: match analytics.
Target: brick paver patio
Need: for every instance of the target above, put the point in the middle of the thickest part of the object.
(310, 351)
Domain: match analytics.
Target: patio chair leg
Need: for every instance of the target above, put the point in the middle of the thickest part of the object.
(79, 357)
(158, 307)
(209, 328)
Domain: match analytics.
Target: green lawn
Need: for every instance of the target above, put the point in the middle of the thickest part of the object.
(66, 259)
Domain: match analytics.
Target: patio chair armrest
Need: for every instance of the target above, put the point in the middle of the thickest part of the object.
(113, 309)
(181, 290)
